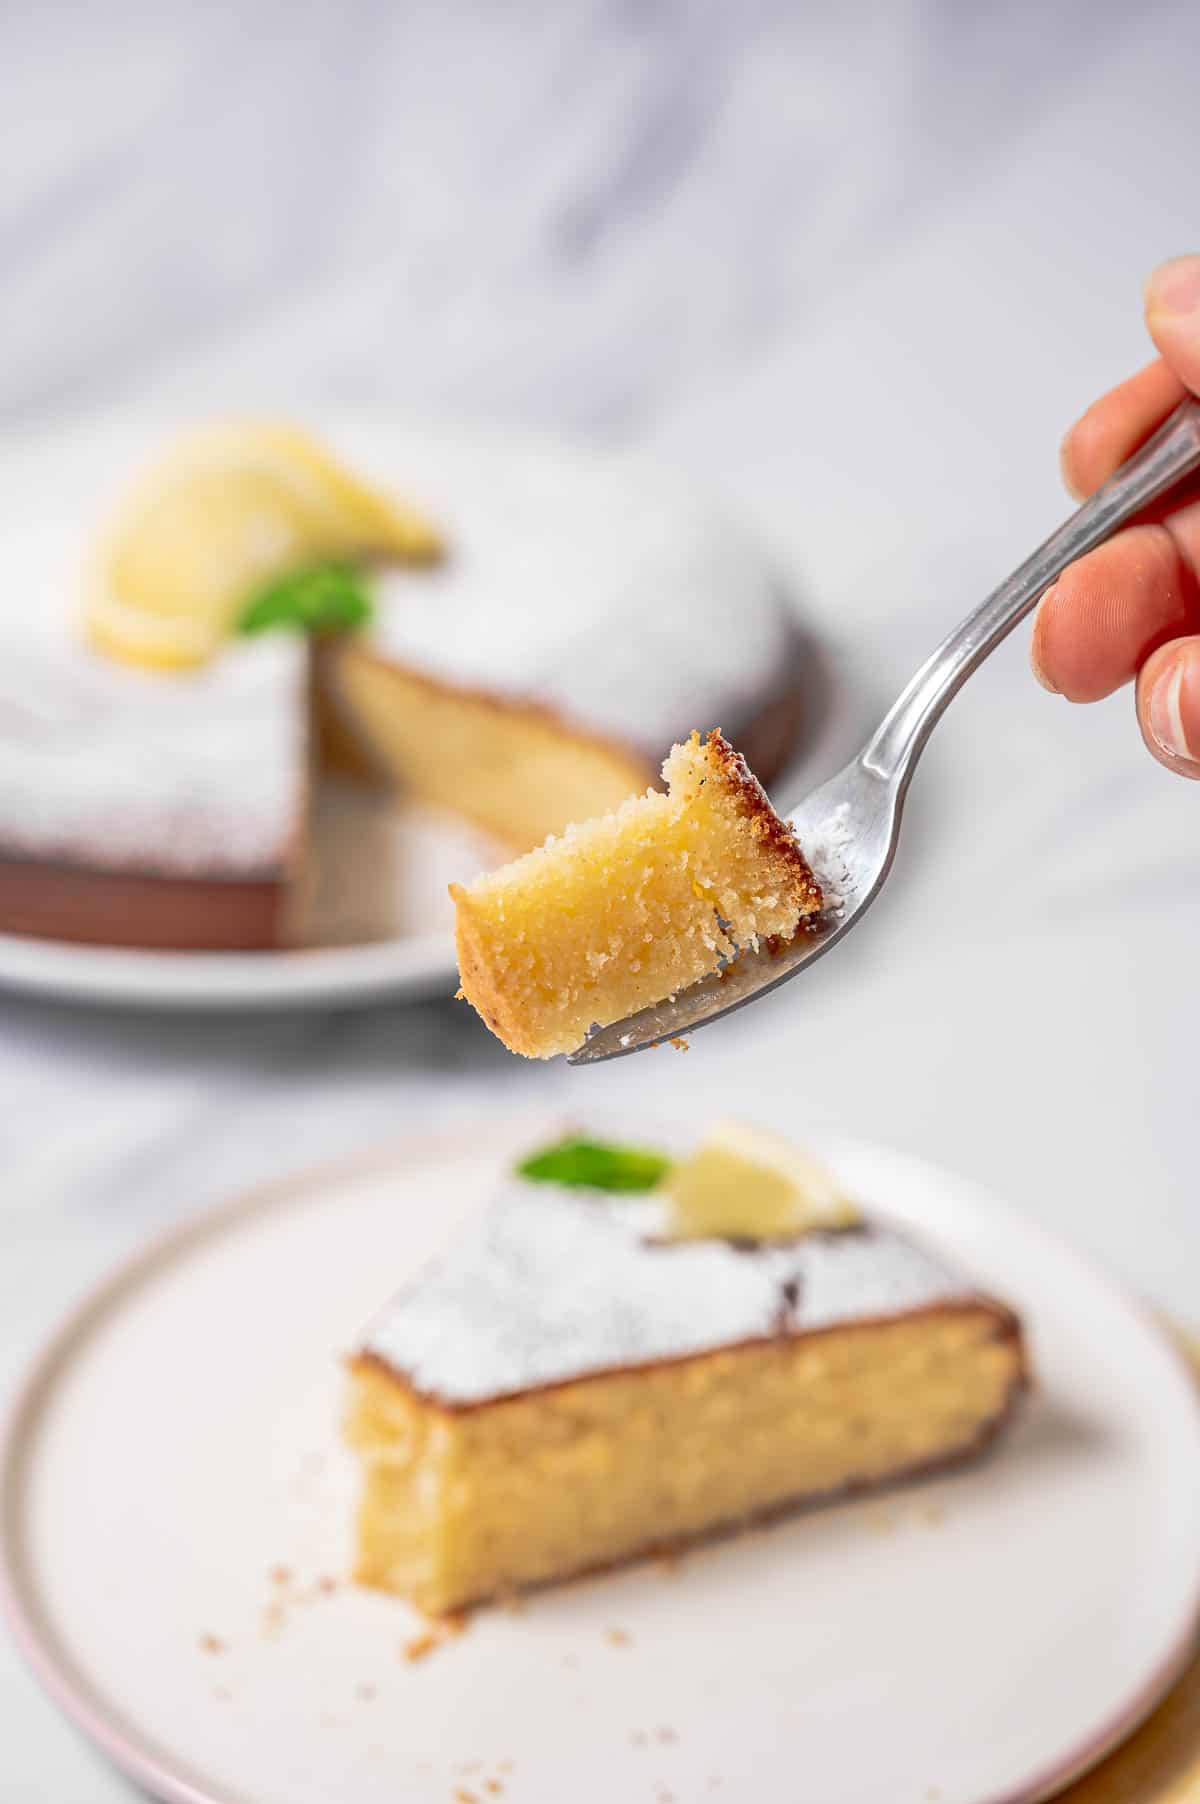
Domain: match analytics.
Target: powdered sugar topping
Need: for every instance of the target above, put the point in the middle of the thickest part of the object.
(825, 849)
(129, 770)
(589, 582)
(553, 1284)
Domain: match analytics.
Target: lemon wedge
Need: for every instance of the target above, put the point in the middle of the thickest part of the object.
(743, 1183)
(227, 509)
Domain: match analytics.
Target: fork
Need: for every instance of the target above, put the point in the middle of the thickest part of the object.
(849, 828)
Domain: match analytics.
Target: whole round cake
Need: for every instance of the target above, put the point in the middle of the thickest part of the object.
(587, 611)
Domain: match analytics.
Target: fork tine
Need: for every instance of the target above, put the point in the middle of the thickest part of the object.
(749, 976)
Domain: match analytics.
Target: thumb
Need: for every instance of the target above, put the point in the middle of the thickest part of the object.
(1173, 316)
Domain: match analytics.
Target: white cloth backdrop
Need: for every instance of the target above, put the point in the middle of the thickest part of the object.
(859, 265)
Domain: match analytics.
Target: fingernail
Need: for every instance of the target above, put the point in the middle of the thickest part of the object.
(1164, 712)
(1035, 663)
(1175, 287)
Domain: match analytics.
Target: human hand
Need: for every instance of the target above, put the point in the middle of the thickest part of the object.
(1130, 610)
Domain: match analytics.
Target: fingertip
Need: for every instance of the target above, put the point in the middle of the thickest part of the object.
(1113, 426)
(1068, 652)
(1168, 706)
(1174, 287)
(1107, 612)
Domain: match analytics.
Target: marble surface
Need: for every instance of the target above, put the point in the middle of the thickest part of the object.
(856, 270)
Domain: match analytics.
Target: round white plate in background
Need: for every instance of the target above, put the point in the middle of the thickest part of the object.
(176, 1531)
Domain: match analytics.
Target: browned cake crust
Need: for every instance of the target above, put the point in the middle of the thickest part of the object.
(774, 834)
(1006, 1329)
(127, 909)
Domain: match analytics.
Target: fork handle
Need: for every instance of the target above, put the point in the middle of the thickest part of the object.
(1162, 462)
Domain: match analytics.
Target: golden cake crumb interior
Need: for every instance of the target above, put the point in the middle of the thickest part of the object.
(463, 1505)
(513, 769)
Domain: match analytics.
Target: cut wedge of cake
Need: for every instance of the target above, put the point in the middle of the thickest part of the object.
(571, 1386)
(632, 907)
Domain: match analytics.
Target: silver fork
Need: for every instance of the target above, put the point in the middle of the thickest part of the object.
(850, 826)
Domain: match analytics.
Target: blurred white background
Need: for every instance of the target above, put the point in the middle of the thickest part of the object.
(859, 266)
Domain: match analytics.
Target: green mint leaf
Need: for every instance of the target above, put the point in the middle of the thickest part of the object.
(596, 1165)
(324, 598)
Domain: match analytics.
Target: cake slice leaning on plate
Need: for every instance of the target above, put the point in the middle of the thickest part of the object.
(580, 1381)
(629, 908)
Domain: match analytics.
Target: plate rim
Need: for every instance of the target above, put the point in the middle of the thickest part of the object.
(135, 1754)
(130, 977)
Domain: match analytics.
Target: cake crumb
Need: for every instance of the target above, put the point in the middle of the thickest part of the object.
(463, 1796)
(212, 1644)
(435, 1635)
(326, 1584)
(494, 1787)
(616, 1637)
(679, 1043)
(280, 1575)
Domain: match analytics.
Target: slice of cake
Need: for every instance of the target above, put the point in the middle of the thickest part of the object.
(574, 1385)
(632, 907)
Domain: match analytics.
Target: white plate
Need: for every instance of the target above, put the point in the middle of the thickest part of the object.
(408, 948)
(973, 1639)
